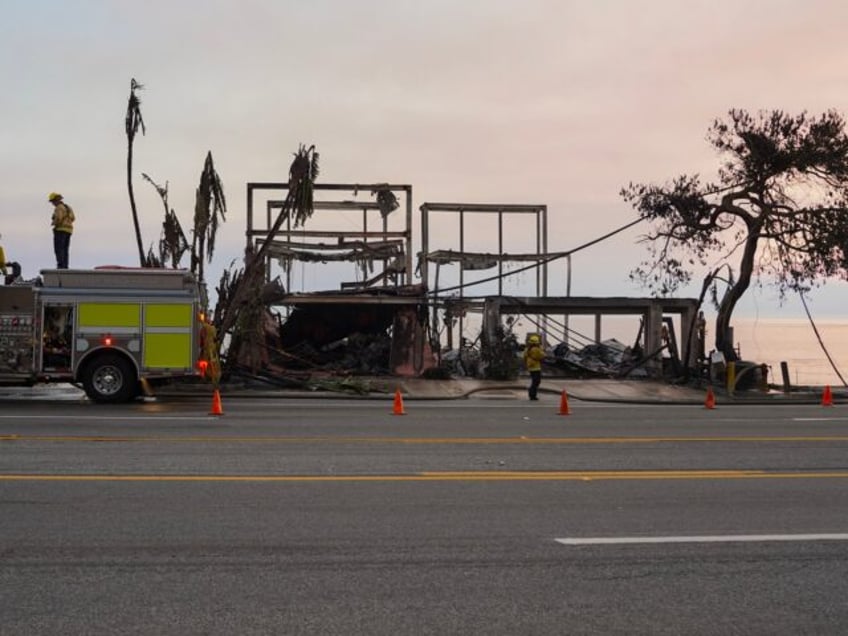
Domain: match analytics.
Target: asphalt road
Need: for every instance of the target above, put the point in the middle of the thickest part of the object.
(460, 517)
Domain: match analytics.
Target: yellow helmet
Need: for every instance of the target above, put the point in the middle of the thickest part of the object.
(534, 339)
(53, 196)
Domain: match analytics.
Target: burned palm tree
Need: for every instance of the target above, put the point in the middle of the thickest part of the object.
(172, 242)
(209, 206)
(248, 334)
(299, 207)
(132, 123)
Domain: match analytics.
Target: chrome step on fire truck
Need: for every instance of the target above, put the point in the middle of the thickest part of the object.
(105, 329)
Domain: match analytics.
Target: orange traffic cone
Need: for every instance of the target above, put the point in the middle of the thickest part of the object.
(398, 405)
(827, 396)
(216, 404)
(710, 402)
(563, 404)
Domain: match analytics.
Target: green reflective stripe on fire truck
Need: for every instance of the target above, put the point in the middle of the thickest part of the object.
(170, 315)
(108, 315)
(167, 351)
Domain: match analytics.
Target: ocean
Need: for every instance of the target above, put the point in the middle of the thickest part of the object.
(794, 341)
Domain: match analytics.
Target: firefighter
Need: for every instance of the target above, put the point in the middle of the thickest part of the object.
(63, 227)
(533, 356)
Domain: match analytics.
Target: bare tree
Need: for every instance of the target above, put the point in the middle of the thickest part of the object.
(780, 205)
(132, 123)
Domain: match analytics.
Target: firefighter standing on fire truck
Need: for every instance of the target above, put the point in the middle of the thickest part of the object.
(63, 227)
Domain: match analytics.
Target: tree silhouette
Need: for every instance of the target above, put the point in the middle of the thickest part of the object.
(210, 205)
(780, 205)
(132, 123)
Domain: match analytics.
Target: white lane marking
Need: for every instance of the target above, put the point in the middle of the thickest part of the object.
(819, 419)
(727, 538)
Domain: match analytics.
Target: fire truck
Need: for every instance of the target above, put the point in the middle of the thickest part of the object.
(106, 329)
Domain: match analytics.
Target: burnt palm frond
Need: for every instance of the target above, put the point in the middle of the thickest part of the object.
(386, 199)
(302, 174)
(151, 260)
(160, 190)
(210, 208)
(173, 243)
(230, 279)
(134, 120)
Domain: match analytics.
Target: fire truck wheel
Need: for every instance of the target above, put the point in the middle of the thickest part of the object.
(109, 378)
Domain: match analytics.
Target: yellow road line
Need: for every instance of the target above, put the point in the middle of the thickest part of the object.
(418, 440)
(448, 476)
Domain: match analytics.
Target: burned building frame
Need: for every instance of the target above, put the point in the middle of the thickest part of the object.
(391, 248)
(416, 309)
(386, 298)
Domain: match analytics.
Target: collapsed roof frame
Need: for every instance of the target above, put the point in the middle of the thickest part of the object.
(392, 248)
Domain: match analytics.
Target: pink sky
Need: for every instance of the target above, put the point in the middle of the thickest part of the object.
(551, 102)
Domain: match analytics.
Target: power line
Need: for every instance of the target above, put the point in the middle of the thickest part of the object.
(821, 343)
(548, 259)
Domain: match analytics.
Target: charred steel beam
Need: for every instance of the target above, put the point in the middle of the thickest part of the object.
(314, 257)
(593, 305)
(330, 234)
(341, 245)
(342, 299)
(349, 187)
(379, 254)
(356, 206)
(370, 282)
(451, 256)
(481, 207)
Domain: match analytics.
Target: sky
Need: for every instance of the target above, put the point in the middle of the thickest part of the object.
(553, 102)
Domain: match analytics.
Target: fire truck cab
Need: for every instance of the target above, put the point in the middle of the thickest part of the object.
(105, 329)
